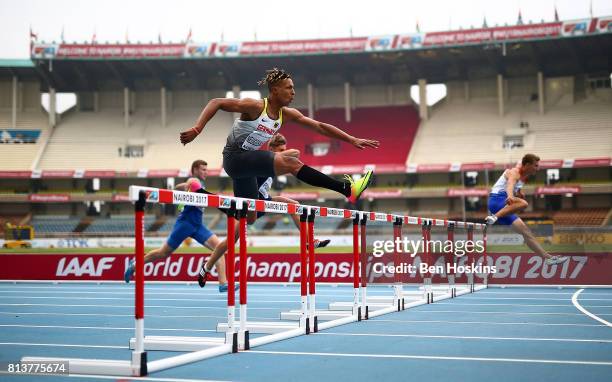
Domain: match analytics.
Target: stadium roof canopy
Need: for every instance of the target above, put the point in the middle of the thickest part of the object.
(574, 49)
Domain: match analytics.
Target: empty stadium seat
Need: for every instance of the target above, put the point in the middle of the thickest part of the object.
(394, 126)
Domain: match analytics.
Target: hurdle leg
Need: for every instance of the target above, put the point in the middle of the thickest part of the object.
(243, 337)
(364, 258)
(311, 274)
(231, 336)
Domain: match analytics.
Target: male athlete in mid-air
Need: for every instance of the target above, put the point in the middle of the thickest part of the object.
(188, 224)
(277, 144)
(506, 199)
(259, 120)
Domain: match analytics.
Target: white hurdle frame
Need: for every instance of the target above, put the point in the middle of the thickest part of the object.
(236, 337)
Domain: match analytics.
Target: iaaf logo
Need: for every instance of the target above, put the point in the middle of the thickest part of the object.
(228, 48)
(197, 50)
(91, 266)
(575, 28)
(225, 203)
(380, 43)
(152, 195)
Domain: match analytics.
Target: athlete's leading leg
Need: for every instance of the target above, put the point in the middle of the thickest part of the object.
(530, 240)
(286, 164)
(157, 254)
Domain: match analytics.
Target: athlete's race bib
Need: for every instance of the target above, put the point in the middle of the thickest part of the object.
(258, 137)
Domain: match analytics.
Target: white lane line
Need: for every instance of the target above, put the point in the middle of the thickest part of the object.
(116, 378)
(446, 358)
(256, 301)
(534, 298)
(504, 304)
(478, 322)
(580, 308)
(130, 315)
(505, 313)
(132, 306)
(466, 337)
(224, 301)
(103, 328)
(63, 345)
(276, 317)
(543, 293)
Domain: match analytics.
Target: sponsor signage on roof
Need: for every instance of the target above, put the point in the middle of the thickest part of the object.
(332, 45)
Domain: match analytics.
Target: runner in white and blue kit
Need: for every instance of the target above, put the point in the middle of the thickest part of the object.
(506, 199)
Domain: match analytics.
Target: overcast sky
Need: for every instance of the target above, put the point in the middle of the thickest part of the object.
(240, 20)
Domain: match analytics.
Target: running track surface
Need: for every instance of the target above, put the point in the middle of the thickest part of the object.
(511, 334)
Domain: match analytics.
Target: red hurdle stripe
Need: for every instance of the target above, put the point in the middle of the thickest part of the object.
(230, 257)
(243, 255)
(139, 249)
(311, 254)
(303, 254)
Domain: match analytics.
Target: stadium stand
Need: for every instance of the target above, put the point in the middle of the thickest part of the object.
(394, 126)
(581, 217)
(22, 156)
(473, 131)
(91, 140)
(121, 224)
(54, 224)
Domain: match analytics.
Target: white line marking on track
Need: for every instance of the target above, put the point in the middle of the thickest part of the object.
(63, 345)
(132, 306)
(504, 304)
(223, 301)
(500, 312)
(117, 378)
(580, 308)
(102, 328)
(446, 358)
(534, 298)
(466, 337)
(479, 322)
(130, 315)
(567, 293)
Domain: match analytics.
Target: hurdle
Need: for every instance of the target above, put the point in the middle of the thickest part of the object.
(426, 293)
(237, 332)
(235, 337)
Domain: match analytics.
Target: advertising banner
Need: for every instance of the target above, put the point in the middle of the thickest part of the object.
(580, 269)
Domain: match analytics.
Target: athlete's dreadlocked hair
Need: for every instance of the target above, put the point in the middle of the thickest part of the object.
(273, 76)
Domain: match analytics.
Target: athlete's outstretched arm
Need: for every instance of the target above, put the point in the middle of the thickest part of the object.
(244, 106)
(328, 130)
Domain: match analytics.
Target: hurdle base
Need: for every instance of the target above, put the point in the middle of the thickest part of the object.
(182, 344)
(261, 326)
(93, 366)
(322, 315)
(348, 305)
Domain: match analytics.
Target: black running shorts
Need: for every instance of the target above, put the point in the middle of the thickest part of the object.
(245, 167)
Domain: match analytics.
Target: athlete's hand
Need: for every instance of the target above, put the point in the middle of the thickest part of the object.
(363, 143)
(188, 135)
